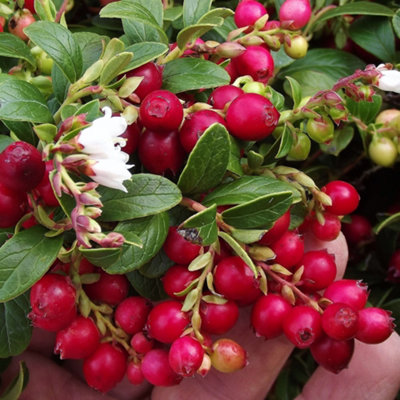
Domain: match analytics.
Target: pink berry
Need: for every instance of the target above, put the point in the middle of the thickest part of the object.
(340, 321)
(268, 315)
(288, 249)
(280, 226)
(131, 314)
(44, 188)
(105, 367)
(344, 196)
(248, 12)
(22, 167)
(348, 291)
(327, 231)
(375, 325)
(12, 206)
(251, 117)
(333, 355)
(141, 343)
(234, 279)
(176, 279)
(302, 326)
(161, 111)
(78, 340)
(178, 249)
(156, 369)
(358, 230)
(185, 356)
(166, 321)
(228, 356)
(295, 13)
(223, 95)
(132, 136)
(20, 20)
(134, 373)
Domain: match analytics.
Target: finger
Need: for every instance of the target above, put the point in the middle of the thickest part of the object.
(373, 374)
(266, 357)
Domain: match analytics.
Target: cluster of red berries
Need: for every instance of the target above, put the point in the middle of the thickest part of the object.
(23, 171)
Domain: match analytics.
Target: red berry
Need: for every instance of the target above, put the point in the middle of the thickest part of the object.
(218, 318)
(268, 315)
(132, 136)
(176, 279)
(156, 369)
(295, 13)
(53, 302)
(194, 126)
(141, 343)
(105, 367)
(327, 231)
(235, 280)
(20, 20)
(152, 78)
(12, 206)
(228, 356)
(319, 270)
(30, 5)
(134, 373)
(22, 167)
(393, 274)
(340, 321)
(280, 226)
(185, 356)
(110, 289)
(255, 61)
(302, 326)
(78, 340)
(161, 111)
(44, 188)
(131, 314)
(223, 95)
(179, 249)
(161, 153)
(248, 12)
(344, 196)
(166, 321)
(375, 325)
(358, 230)
(333, 355)
(288, 249)
(251, 117)
(348, 291)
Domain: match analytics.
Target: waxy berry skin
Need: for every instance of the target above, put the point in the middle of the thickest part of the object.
(288, 249)
(248, 12)
(228, 356)
(358, 230)
(176, 279)
(12, 206)
(327, 231)
(348, 291)
(375, 325)
(44, 188)
(344, 196)
(223, 95)
(22, 167)
(251, 117)
(296, 13)
(340, 321)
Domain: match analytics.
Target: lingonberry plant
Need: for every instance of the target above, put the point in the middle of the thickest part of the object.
(164, 167)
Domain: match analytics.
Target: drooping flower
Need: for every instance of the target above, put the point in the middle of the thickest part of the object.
(389, 79)
(101, 141)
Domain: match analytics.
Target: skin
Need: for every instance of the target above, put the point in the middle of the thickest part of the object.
(372, 372)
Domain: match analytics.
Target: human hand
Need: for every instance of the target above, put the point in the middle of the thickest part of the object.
(372, 372)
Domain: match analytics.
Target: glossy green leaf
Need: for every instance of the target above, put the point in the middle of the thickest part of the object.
(207, 162)
(152, 232)
(91, 45)
(144, 52)
(15, 327)
(245, 189)
(396, 23)
(295, 89)
(59, 44)
(4, 142)
(340, 141)
(259, 213)
(24, 259)
(201, 228)
(157, 266)
(234, 157)
(22, 130)
(365, 110)
(248, 236)
(215, 15)
(191, 33)
(185, 74)
(102, 257)
(193, 10)
(114, 67)
(91, 109)
(21, 101)
(13, 46)
(285, 143)
(150, 288)
(60, 84)
(147, 195)
(173, 13)
(379, 41)
(18, 384)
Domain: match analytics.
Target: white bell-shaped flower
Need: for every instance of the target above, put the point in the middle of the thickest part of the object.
(389, 79)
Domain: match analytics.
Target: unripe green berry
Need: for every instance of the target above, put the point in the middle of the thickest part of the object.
(300, 149)
(254, 87)
(382, 151)
(297, 48)
(320, 129)
(390, 119)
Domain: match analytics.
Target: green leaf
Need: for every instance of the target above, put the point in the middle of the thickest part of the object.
(248, 236)
(259, 213)
(24, 259)
(60, 83)
(281, 59)
(15, 327)
(13, 46)
(114, 67)
(365, 110)
(191, 33)
(157, 266)
(45, 13)
(142, 18)
(91, 45)
(320, 69)
(245, 189)
(215, 15)
(339, 142)
(15, 388)
(4, 142)
(22, 130)
(150, 288)
(152, 232)
(59, 44)
(147, 195)
(295, 91)
(102, 257)
(21, 101)
(379, 41)
(234, 157)
(357, 8)
(144, 52)
(396, 23)
(207, 161)
(193, 10)
(173, 13)
(201, 228)
(91, 109)
(187, 73)
(285, 143)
